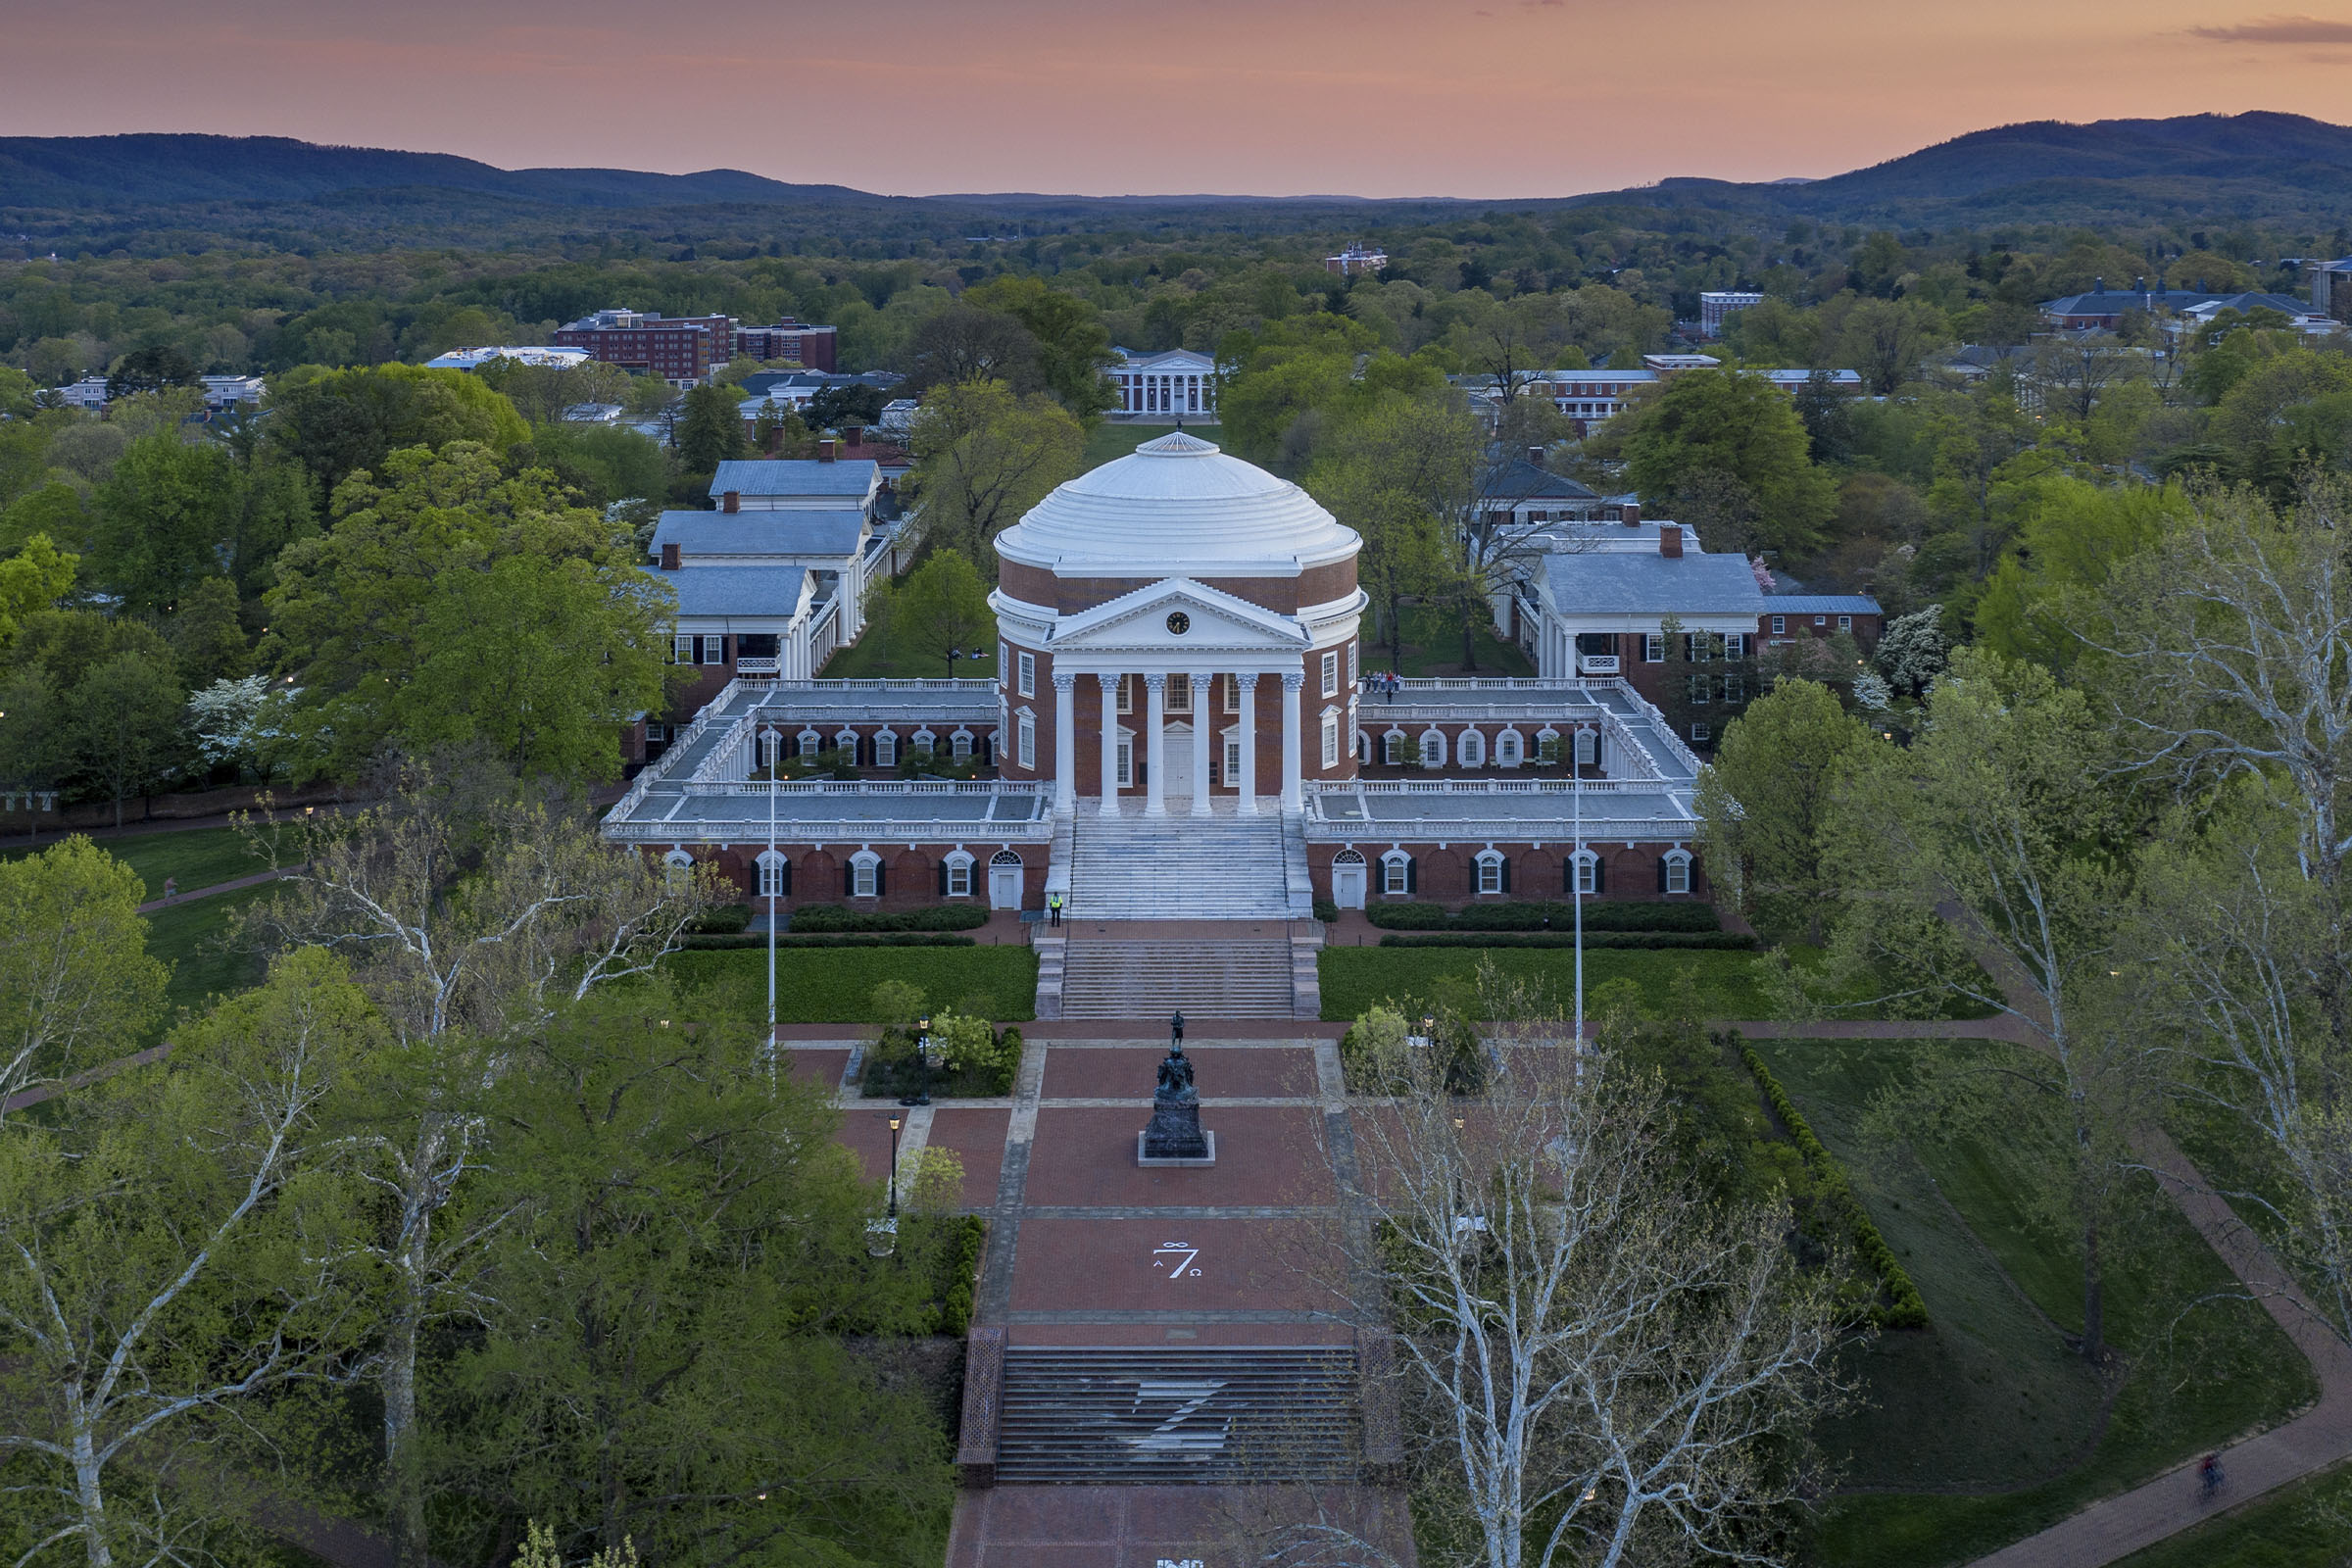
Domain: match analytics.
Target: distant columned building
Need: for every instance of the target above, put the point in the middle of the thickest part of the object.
(1178, 383)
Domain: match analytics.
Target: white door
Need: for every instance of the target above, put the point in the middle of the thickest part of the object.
(1178, 745)
(1004, 887)
(1348, 886)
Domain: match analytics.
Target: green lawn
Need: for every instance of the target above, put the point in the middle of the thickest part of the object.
(199, 857)
(1433, 645)
(1107, 440)
(192, 938)
(1355, 978)
(2302, 1526)
(1987, 1413)
(835, 985)
(878, 655)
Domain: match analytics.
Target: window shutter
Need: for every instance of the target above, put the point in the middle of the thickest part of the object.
(1412, 874)
(848, 879)
(943, 879)
(1506, 873)
(1600, 874)
(1568, 874)
(878, 869)
(1661, 873)
(783, 877)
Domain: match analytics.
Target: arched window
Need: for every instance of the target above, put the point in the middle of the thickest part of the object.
(1548, 743)
(962, 745)
(677, 869)
(955, 876)
(1584, 872)
(1392, 748)
(1472, 749)
(1005, 857)
(1494, 872)
(1432, 748)
(886, 748)
(775, 876)
(1588, 748)
(1506, 749)
(865, 875)
(770, 743)
(811, 743)
(847, 740)
(1397, 876)
(1674, 871)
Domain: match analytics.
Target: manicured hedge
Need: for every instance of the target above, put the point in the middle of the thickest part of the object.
(721, 919)
(836, 918)
(833, 939)
(1713, 940)
(1600, 914)
(1904, 1308)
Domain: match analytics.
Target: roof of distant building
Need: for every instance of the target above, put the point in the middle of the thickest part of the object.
(1522, 480)
(1681, 362)
(794, 476)
(2286, 302)
(2116, 301)
(1610, 583)
(475, 358)
(760, 533)
(738, 590)
(1777, 603)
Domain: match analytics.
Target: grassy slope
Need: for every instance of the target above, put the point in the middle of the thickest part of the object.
(835, 985)
(199, 857)
(1989, 1397)
(1355, 978)
(2302, 1526)
(1433, 645)
(192, 939)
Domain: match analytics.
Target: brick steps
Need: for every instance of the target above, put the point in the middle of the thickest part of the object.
(1077, 1415)
(1240, 979)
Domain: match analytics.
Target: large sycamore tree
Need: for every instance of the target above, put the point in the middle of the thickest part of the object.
(984, 454)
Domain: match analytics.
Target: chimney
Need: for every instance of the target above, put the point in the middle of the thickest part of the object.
(1670, 541)
(824, 450)
(1629, 513)
(670, 556)
(1535, 455)
(732, 501)
(853, 435)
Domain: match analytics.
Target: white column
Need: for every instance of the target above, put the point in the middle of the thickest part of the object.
(1249, 740)
(1065, 742)
(1293, 797)
(1155, 798)
(1205, 735)
(1110, 685)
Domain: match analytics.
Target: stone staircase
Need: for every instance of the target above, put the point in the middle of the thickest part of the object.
(1141, 1416)
(1181, 868)
(1220, 978)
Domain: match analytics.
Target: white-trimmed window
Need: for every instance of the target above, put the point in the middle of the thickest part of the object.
(1330, 739)
(1653, 648)
(1126, 694)
(677, 869)
(847, 741)
(1004, 658)
(886, 748)
(1180, 694)
(1233, 692)
(1586, 866)
(1780, 626)
(1702, 733)
(1734, 645)
(1508, 753)
(1028, 673)
(681, 649)
(957, 879)
(865, 875)
(925, 740)
(1026, 731)
(768, 744)
(1546, 739)
(1588, 748)
(1702, 689)
(1845, 623)
(1126, 761)
(1675, 871)
(1432, 748)
(1494, 874)
(961, 745)
(1391, 747)
(774, 881)
(1396, 873)
(1331, 673)
(1735, 689)
(1353, 673)
(1472, 749)
(715, 650)
(1232, 760)
(810, 743)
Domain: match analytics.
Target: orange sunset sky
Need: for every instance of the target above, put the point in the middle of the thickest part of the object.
(1371, 97)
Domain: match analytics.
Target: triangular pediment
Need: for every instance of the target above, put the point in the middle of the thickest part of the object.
(1213, 619)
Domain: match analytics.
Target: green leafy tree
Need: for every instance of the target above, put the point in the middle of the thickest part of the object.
(333, 423)
(1273, 381)
(941, 605)
(165, 517)
(173, 1249)
(1766, 801)
(1073, 348)
(33, 579)
(150, 369)
(1885, 339)
(75, 978)
(208, 636)
(683, 1386)
(1404, 473)
(1740, 425)
(711, 432)
(125, 732)
(983, 456)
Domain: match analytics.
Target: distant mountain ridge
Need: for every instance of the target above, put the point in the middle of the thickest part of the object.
(2258, 165)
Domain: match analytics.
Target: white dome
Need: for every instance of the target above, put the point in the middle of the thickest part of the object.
(1178, 507)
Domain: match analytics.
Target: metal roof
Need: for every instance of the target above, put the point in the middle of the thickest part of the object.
(772, 591)
(1607, 583)
(760, 533)
(794, 476)
(1820, 604)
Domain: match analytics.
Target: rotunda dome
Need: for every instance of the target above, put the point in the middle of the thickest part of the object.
(1177, 507)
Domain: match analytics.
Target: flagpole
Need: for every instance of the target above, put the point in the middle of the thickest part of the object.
(766, 871)
(1576, 791)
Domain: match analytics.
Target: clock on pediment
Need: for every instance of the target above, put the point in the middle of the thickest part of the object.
(1179, 622)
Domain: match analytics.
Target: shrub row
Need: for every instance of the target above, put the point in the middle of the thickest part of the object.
(832, 938)
(1724, 940)
(1600, 914)
(1904, 1308)
(836, 918)
(956, 1306)
(721, 919)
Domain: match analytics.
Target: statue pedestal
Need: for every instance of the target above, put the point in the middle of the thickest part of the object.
(1144, 1156)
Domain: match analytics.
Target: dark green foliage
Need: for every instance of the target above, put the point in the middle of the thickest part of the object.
(1600, 914)
(1716, 941)
(830, 939)
(336, 422)
(1326, 910)
(837, 917)
(1834, 1201)
(721, 919)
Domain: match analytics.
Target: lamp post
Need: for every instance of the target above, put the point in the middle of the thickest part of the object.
(922, 1064)
(894, 1167)
(882, 1235)
(1576, 792)
(774, 739)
